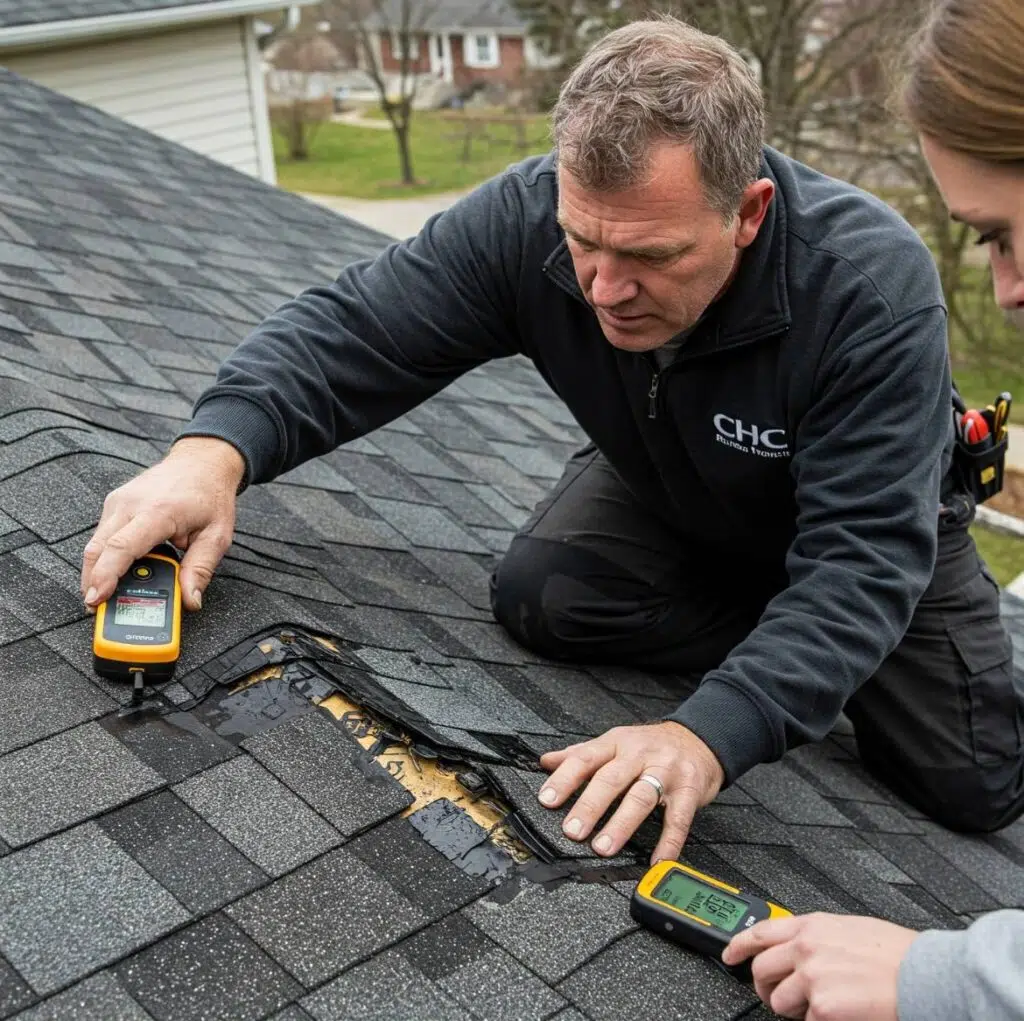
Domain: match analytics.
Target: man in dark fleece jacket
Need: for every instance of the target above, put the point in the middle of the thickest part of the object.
(758, 355)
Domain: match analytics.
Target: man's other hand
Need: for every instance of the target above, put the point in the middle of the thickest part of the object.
(825, 967)
(188, 498)
(686, 768)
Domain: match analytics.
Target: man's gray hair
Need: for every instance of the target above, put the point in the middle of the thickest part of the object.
(655, 80)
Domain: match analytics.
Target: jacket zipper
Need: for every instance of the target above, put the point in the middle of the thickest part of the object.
(652, 395)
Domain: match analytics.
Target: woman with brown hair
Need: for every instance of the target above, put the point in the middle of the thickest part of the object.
(963, 92)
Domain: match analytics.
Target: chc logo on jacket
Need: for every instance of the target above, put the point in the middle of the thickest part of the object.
(762, 441)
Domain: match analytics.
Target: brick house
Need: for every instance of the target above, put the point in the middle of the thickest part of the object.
(461, 43)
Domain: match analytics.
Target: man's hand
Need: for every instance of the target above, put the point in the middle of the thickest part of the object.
(189, 498)
(825, 967)
(686, 768)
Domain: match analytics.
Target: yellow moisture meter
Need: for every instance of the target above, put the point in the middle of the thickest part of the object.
(695, 910)
(137, 634)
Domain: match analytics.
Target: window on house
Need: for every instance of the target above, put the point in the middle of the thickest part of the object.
(482, 49)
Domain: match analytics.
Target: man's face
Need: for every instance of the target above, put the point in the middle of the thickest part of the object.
(990, 198)
(651, 258)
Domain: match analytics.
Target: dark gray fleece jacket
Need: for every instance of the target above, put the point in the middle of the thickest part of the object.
(802, 430)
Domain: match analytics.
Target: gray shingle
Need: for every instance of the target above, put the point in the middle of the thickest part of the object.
(386, 988)
(259, 815)
(65, 779)
(995, 874)
(101, 996)
(644, 976)
(107, 907)
(554, 932)
(14, 992)
(789, 798)
(324, 765)
(325, 916)
(210, 971)
(933, 872)
(42, 695)
(425, 526)
(182, 852)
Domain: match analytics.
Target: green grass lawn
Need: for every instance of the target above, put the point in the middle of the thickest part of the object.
(1003, 553)
(363, 162)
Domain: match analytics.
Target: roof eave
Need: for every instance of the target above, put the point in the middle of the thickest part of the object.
(49, 33)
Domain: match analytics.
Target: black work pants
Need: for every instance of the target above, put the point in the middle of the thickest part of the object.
(594, 576)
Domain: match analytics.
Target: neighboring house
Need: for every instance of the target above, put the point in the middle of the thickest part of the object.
(251, 844)
(190, 72)
(459, 42)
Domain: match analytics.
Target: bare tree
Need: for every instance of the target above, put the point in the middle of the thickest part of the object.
(401, 25)
(299, 100)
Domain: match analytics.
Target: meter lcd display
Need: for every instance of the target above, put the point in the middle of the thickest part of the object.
(701, 901)
(140, 611)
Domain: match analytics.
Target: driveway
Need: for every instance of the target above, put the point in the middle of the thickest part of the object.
(401, 218)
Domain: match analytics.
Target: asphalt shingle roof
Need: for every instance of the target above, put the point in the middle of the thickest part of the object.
(36, 12)
(233, 853)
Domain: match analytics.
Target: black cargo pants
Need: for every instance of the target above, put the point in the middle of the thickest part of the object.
(594, 576)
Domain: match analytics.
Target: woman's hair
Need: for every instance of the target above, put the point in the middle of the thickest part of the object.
(963, 81)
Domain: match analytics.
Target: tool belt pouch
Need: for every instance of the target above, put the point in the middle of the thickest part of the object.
(981, 471)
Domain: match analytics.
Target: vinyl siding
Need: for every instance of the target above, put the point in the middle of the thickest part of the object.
(191, 86)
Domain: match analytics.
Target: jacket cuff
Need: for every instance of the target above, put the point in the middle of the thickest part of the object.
(732, 726)
(247, 427)
(931, 982)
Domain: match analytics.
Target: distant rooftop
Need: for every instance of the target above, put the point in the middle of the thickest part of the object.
(455, 15)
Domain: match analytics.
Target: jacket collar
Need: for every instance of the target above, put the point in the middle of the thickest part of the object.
(756, 304)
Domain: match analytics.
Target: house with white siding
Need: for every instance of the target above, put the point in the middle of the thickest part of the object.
(189, 71)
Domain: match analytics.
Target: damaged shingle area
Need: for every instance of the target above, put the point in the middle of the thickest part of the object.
(157, 871)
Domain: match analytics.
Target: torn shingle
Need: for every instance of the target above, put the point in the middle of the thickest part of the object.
(65, 779)
(400, 856)
(259, 815)
(325, 916)
(108, 906)
(325, 766)
(182, 852)
(231, 979)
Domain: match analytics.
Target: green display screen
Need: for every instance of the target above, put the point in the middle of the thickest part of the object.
(703, 901)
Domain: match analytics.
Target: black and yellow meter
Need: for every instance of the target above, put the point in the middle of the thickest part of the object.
(137, 634)
(695, 910)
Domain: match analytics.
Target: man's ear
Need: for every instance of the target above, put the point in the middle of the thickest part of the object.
(753, 207)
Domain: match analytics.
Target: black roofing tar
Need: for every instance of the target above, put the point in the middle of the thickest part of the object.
(108, 906)
(234, 979)
(397, 854)
(175, 745)
(182, 852)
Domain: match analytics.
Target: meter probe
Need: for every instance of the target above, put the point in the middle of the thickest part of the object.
(696, 910)
(137, 634)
